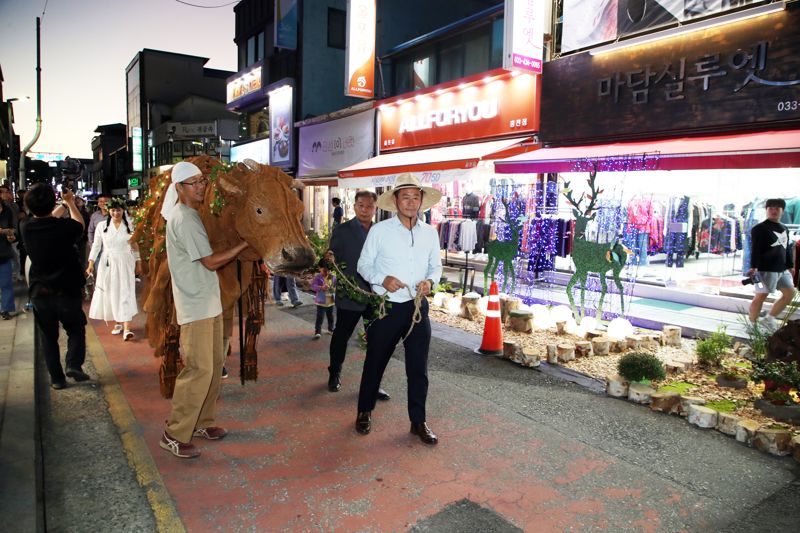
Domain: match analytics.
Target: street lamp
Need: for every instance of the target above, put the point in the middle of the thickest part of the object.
(9, 103)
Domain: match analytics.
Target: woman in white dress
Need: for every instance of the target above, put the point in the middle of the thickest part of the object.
(115, 284)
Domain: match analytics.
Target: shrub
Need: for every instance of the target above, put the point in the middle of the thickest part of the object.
(638, 366)
(710, 351)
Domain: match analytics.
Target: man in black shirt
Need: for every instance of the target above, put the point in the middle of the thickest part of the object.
(56, 279)
(770, 260)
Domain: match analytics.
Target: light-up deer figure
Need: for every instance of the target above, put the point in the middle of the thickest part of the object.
(504, 251)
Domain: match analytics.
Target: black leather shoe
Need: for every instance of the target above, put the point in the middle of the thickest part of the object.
(383, 395)
(77, 374)
(334, 382)
(364, 422)
(58, 385)
(424, 433)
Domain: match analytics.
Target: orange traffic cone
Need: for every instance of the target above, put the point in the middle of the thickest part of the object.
(492, 343)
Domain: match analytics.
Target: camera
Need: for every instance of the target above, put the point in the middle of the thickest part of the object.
(749, 281)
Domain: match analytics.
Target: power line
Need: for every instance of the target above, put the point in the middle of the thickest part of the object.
(207, 7)
(44, 9)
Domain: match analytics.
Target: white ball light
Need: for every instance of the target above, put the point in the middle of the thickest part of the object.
(561, 313)
(454, 306)
(588, 323)
(571, 326)
(483, 304)
(438, 298)
(619, 328)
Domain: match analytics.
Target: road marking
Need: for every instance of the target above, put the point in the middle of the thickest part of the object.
(136, 450)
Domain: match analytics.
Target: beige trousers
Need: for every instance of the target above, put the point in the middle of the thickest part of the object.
(194, 402)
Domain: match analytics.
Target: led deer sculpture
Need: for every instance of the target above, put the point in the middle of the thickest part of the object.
(504, 251)
(593, 256)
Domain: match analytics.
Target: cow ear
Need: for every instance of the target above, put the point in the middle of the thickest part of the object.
(297, 184)
(229, 187)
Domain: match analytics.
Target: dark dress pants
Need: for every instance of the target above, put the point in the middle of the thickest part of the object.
(346, 322)
(68, 310)
(382, 338)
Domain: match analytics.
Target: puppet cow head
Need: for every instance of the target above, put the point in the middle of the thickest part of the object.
(266, 213)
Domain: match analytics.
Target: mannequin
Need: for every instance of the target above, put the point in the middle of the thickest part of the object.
(470, 205)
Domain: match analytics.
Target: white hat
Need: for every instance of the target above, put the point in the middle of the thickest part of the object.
(180, 172)
(430, 196)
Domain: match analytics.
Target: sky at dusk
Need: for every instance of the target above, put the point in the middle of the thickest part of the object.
(85, 47)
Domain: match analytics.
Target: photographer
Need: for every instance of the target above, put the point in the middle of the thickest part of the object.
(56, 279)
(8, 236)
(770, 264)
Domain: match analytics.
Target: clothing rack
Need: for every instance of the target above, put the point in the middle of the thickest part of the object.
(466, 268)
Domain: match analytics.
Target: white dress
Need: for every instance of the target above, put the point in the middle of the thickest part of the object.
(115, 284)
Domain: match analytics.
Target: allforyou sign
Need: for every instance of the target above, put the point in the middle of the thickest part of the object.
(497, 104)
(360, 55)
(523, 35)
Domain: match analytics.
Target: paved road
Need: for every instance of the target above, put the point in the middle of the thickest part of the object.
(520, 450)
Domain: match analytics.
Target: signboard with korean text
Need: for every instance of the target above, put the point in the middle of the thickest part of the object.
(523, 35)
(331, 146)
(739, 76)
(360, 54)
(281, 123)
(495, 105)
(286, 24)
(244, 87)
(196, 129)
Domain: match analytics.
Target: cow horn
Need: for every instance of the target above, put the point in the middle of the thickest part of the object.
(297, 184)
(229, 187)
(252, 165)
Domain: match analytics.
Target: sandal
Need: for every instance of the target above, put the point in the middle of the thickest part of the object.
(127, 335)
(117, 329)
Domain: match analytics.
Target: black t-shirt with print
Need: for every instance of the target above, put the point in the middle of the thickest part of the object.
(55, 267)
(770, 247)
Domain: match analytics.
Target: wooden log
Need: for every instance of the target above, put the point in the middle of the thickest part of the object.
(469, 307)
(561, 327)
(618, 346)
(510, 350)
(601, 345)
(593, 334)
(702, 417)
(649, 342)
(530, 357)
(583, 348)
(639, 393)
(521, 320)
(552, 354)
(672, 335)
(566, 352)
(616, 386)
(508, 304)
(634, 342)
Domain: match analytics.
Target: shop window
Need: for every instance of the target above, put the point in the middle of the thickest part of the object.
(337, 28)
(251, 51)
(423, 73)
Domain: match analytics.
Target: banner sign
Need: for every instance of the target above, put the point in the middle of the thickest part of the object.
(498, 104)
(256, 150)
(360, 54)
(735, 77)
(281, 122)
(523, 35)
(245, 87)
(286, 24)
(331, 146)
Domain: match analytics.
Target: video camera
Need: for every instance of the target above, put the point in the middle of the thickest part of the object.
(70, 171)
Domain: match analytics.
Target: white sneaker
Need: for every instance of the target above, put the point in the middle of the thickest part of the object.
(770, 323)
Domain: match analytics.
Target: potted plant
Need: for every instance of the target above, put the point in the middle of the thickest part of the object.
(776, 375)
(731, 379)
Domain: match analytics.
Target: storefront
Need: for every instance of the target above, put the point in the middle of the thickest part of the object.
(447, 135)
(327, 145)
(687, 137)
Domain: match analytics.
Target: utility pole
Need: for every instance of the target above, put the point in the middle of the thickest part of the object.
(38, 105)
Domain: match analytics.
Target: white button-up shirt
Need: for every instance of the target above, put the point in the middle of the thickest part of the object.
(391, 249)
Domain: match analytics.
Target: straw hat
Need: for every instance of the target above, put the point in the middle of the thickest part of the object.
(430, 196)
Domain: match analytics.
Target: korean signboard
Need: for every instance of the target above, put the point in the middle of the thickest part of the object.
(244, 86)
(360, 54)
(497, 104)
(286, 24)
(523, 35)
(331, 146)
(281, 123)
(743, 75)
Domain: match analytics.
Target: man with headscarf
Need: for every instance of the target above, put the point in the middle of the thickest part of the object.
(401, 260)
(198, 307)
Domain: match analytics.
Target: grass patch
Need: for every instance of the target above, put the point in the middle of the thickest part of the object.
(743, 364)
(681, 387)
(723, 406)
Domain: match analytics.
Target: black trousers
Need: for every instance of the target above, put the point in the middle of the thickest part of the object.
(382, 338)
(323, 311)
(68, 310)
(346, 322)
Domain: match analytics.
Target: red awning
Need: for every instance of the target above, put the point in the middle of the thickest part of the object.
(771, 149)
(463, 156)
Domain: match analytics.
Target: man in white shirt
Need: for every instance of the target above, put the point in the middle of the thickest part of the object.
(195, 289)
(400, 259)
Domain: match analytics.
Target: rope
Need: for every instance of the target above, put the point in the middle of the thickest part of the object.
(380, 312)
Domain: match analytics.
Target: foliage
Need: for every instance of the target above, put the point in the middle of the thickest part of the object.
(778, 372)
(710, 351)
(319, 243)
(731, 375)
(443, 287)
(217, 200)
(681, 387)
(757, 336)
(722, 406)
(778, 397)
(638, 366)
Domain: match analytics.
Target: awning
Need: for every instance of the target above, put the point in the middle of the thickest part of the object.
(327, 181)
(772, 149)
(433, 165)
